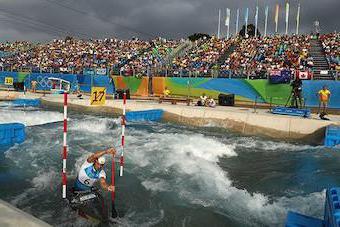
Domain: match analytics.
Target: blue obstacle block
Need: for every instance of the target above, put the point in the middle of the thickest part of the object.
(146, 115)
(291, 111)
(332, 208)
(26, 102)
(300, 220)
(332, 136)
(12, 133)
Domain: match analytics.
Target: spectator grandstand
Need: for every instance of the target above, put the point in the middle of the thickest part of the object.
(253, 57)
(331, 45)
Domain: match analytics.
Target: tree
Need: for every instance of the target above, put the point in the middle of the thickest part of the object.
(250, 30)
(198, 36)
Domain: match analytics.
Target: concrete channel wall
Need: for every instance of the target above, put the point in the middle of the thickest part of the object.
(241, 120)
(11, 216)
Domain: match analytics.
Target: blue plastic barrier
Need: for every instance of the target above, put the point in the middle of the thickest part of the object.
(85, 83)
(3, 75)
(332, 136)
(300, 220)
(331, 213)
(332, 207)
(291, 111)
(12, 133)
(26, 102)
(147, 115)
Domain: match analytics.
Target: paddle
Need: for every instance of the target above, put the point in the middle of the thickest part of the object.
(114, 213)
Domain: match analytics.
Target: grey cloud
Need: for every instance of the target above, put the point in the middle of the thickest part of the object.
(147, 18)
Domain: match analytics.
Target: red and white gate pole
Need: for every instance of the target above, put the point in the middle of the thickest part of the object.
(64, 179)
(123, 136)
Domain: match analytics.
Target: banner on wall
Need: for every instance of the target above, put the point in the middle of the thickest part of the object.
(43, 82)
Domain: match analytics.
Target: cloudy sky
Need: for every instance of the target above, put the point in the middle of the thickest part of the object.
(42, 20)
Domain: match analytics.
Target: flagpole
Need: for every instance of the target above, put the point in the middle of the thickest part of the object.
(219, 24)
(266, 21)
(256, 19)
(246, 20)
(298, 19)
(237, 18)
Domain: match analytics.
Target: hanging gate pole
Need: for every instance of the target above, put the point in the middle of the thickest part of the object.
(64, 179)
(123, 136)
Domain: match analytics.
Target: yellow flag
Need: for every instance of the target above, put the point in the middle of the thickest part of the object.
(98, 96)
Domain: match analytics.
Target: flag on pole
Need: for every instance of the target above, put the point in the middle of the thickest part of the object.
(298, 19)
(277, 17)
(227, 21)
(237, 18)
(266, 20)
(256, 19)
(287, 17)
(219, 24)
(227, 18)
(246, 21)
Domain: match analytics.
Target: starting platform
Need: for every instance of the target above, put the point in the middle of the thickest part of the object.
(332, 136)
(331, 213)
(12, 133)
(146, 115)
(291, 111)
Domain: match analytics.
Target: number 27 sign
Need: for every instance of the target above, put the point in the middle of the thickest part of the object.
(98, 96)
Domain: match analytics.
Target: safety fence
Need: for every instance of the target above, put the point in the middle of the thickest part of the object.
(171, 72)
(261, 90)
(42, 81)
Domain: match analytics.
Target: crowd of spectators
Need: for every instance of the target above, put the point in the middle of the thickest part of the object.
(256, 55)
(251, 56)
(331, 45)
(73, 55)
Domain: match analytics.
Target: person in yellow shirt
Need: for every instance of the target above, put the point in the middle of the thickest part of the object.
(166, 92)
(324, 96)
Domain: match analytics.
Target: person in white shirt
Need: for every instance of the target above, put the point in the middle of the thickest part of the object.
(202, 101)
(92, 171)
(211, 102)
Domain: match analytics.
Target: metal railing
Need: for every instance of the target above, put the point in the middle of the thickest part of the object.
(170, 72)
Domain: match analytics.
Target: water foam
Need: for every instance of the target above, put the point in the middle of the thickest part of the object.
(265, 145)
(193, 159)
(29, 118)
(97, 125)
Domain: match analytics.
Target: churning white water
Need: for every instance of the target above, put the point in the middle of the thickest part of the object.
(175, 175)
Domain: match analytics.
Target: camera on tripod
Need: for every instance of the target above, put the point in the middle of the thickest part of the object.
(296, 94)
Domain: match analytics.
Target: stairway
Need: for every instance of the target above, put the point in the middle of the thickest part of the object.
(224, 56)
(178, 51)
(320, 62)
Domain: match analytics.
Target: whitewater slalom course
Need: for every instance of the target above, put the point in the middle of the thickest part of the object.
(208, 169)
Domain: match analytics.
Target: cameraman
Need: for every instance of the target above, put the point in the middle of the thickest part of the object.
(296, 93)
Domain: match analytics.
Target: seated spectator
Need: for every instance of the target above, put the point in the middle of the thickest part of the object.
(210, 102)
(202, 100)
